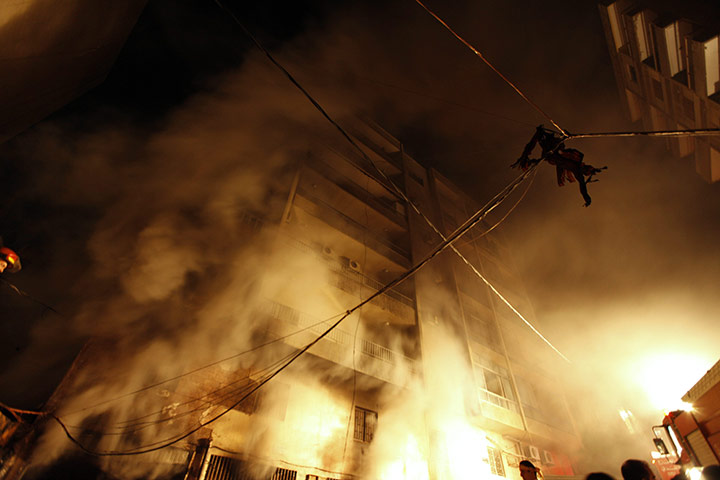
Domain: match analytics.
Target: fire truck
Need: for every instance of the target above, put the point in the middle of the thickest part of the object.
(689, 440)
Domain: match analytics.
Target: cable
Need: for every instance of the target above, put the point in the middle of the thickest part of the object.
(697, 132)
(497, 224)
(25, 294)
(470, 223)
(207, 404)
(487, 62)
(148, 387)
(398, 192)
(19, 410)
(439, 99)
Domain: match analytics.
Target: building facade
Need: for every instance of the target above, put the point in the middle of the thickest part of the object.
(667, 66)
(434, 379)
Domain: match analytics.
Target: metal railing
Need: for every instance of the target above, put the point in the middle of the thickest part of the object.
(352, 281)
(494, 399)
(368, 348)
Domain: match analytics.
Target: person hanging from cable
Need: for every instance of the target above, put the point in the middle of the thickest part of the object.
(568, 161)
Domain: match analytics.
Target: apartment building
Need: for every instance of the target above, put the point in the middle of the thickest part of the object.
(435, 378)
(667, 66)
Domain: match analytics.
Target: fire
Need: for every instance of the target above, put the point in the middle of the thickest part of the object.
(411, 466)
(466, 449)
(667, 377)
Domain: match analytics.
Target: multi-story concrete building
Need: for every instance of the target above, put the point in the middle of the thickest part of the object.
(435, 378)
(667, 66)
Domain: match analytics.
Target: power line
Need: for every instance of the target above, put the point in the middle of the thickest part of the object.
(397, 191)
(167, 380)
(447, 242)
(470, 223)
(487, 62)
(25, 294)
(697, 132)
(507, 214)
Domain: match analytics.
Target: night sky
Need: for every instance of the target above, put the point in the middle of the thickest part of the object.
(626, 288)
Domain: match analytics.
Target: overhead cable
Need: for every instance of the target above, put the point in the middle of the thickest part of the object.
(697, 132)
(395, 189)
(470, 223)
(198, 369)
(487, 62)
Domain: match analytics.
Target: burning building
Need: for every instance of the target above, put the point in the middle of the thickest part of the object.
(435, 378)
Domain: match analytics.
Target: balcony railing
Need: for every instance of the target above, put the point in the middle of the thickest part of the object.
(352, 281)
(304, 321)
(494, 399)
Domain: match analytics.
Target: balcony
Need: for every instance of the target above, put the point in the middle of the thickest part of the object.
(494, 399)
(361, 286)
(300, 328)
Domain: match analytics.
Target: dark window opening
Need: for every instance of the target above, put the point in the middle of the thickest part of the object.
(633, 73)
(365, 423)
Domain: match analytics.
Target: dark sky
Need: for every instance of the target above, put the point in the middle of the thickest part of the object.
(625, 285)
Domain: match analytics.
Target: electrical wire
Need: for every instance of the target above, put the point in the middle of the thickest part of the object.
(470, 223)
(397, 191)
(25, 294)
(447, 242)
(167, 380)
(487, 62)
(497, 224)
(137, 427)
(697, 132)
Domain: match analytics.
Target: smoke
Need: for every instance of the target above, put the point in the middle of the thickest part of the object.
(163, 262)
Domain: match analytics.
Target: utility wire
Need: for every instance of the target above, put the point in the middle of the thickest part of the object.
(497, 224)
(397, 191)
(470, 223)
(447, 242)
(697, 132)
(25, 294)
(487, 62)
(167, 380)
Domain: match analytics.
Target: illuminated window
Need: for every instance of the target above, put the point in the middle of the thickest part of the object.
(496, 462)
(618, 32)
(712, 65)
(365, 423)
(493, 383)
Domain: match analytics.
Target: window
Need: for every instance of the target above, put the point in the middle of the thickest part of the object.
(618, 32)
(311, 477)
(496, 462)
(658, 89)
(633, 73)
(688, 107)
(365, 423)
(483, 331)
(284, 474)
(493, 383)
(643, 42)
(712, 68)
(416, 177)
